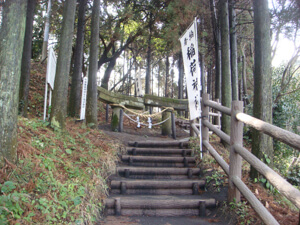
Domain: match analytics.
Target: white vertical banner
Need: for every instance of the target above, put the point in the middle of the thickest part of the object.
(51, 67)
(50, 77)
(189, 46)
(83, 98)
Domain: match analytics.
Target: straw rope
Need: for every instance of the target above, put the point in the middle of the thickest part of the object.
(142, 115)
(155, 124)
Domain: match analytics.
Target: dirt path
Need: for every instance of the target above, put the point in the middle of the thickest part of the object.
(123, 220)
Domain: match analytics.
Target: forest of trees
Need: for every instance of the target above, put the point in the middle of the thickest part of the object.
(117, 39)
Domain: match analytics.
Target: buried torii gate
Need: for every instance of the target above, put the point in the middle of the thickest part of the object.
(139, 103)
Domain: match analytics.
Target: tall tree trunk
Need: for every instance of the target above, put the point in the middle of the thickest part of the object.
(107, 73)
(158, 78)
(225, 52)
(12, 31)
(167, 77)
(262, 145)
(217, 41)
(135, 75)
(218, 70)
(233, 51)
(172, 82)
(149, 51)
(202, 66)
(123, 83)
(180, 76)
(91, 105)
(46, 31)
(129, 77)
(26, 59)
(202, 72)
(74, 100)
(60, 93)
(209, 80)
(244, 80)
(152, 80)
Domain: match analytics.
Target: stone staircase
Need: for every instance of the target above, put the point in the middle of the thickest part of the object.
(158, 179)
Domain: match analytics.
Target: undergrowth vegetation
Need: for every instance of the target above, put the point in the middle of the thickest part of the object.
(241, 212)
(60, 177)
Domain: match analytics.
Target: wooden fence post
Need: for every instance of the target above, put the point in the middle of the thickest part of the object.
(115, 118)
(166, 127)
(173, 125)
(236, 137)
(192, 133)
(186, 113)
(121, 121)
(106, 114)
(205, 116)
(218, 118)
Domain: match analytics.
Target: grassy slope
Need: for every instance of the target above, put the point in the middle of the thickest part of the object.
(60, 177)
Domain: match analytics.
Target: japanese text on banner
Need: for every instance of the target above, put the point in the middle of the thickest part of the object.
(189, 46)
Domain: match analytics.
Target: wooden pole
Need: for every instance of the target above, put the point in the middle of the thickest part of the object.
(218, 120)
(225, 137)
(121, 121)
(263, 213)
(284, 187)
(280, 134)
(115, 118)
(217, 106)
(173, 125)
(192, 132)
(166, 127)
(236, 137)
(118, 206)
(186, 114)
(205, 114)
(106, 115)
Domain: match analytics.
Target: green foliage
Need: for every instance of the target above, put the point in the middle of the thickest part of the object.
(293, 176)
(35, 124)
(216, 179)
(8, 186)
(241, 209)
(12, 202)
(286, 114)
(12, 205)
(61, 182)
(286, 107)
(66, 201)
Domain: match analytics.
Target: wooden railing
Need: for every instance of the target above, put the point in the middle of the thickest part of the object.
(237, 152)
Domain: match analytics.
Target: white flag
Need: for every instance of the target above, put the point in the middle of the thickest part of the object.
(189, 46)
(51, 68)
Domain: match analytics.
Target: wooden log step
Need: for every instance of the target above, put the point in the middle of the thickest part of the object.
(155, 212)
(153, 164)
(156, 144)
(160, 151)
(158, 171)
(160, 159)
(153, 192)
(163, 177)
(159, 202)
(155, 184)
